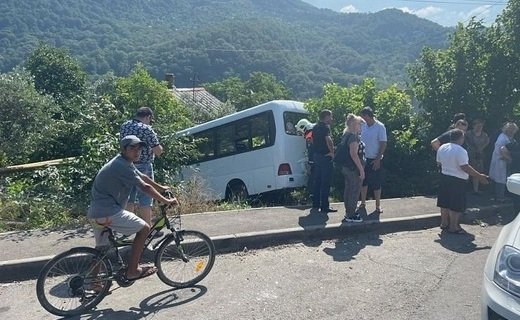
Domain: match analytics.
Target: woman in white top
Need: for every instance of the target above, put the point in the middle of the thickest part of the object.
(455, 172)
(498, 167)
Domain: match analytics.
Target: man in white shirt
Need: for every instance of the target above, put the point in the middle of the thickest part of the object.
(456, 170)
(373, 135)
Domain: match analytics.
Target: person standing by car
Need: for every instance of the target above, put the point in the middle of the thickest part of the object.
(140, 126)
(373, 135)
(323, 167)
(498, 167)
(455, 169)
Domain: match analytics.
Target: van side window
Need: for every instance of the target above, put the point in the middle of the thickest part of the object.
(242, 136)
(239, 136)
(290, 119)
(225, 140)
(261, 131)
(205, 145)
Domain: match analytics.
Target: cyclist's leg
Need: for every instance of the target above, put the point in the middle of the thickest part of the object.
(128, 223)
(102, 243)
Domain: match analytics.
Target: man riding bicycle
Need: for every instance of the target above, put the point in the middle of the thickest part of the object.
(110, 193)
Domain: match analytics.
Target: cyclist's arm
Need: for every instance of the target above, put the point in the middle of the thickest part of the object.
(155, 185)
(151, 190)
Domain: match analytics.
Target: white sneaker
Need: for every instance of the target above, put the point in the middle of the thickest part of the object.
(356, 218)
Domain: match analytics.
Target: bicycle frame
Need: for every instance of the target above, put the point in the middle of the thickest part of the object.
(161, 223)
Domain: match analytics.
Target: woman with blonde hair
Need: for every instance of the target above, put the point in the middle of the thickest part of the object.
(498, 167)
(353, 168)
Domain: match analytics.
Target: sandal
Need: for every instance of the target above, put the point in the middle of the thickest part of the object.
(378, 210)
(361, 206)
(145, 272)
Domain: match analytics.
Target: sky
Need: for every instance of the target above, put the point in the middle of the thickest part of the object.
(444, 12)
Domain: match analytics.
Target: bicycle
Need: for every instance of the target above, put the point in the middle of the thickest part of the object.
(77, 280)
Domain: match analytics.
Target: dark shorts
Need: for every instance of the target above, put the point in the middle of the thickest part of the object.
(452, 193)
(373, 178)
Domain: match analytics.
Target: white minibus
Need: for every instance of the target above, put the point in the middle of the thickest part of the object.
(250, 152)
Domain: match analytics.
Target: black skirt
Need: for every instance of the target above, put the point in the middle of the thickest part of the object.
(452, 193)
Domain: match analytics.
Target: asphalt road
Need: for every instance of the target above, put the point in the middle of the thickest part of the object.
(407, 275)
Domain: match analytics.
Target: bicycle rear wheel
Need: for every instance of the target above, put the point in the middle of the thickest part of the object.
(187, 262)
(74, 281)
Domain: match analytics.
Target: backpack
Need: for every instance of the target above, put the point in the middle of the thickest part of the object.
(341, 154)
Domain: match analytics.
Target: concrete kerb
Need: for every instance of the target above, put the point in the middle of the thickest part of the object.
(24, 269)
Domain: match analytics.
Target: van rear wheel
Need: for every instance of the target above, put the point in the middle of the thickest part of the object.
(236, 191)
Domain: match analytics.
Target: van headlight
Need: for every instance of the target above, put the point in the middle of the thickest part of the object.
(507, 270)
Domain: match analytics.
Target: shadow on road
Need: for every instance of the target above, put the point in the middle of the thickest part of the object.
(148, 307)
(463, 243)
(347, 249)
(460, 243)
(314, 220)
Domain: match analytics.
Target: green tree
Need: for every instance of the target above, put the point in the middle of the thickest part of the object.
(477, 74)
(259, 88)
(56, 73)
(503, 70)
(453, 80)
(26, 122)
(229, 90)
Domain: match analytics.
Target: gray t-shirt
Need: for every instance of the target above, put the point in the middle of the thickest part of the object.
(112, 187)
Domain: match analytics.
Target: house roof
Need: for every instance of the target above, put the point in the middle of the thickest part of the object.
(197, 97)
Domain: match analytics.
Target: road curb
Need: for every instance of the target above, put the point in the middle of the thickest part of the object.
(25, 269)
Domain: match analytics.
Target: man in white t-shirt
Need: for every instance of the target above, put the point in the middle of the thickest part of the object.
(456, 170)
(373, 135)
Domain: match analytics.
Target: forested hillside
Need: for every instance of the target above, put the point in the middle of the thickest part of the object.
(208, 40)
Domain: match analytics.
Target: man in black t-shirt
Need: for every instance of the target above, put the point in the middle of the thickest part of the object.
(323, 150)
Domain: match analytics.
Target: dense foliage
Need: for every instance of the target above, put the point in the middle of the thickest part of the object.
(210, 40)
(83, 124)
(56, 73)
(25, 117)
(478, 74)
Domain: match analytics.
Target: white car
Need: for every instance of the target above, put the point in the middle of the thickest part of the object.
(500, 298)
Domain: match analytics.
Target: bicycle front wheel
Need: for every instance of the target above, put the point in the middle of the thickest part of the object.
(74, 281)
(187, 261)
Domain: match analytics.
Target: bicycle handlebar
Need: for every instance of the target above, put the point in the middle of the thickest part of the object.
(167, 194)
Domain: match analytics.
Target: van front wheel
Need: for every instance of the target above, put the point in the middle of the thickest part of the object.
(236, 191)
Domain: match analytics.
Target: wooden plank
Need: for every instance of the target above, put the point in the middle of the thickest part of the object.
(34, 165)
